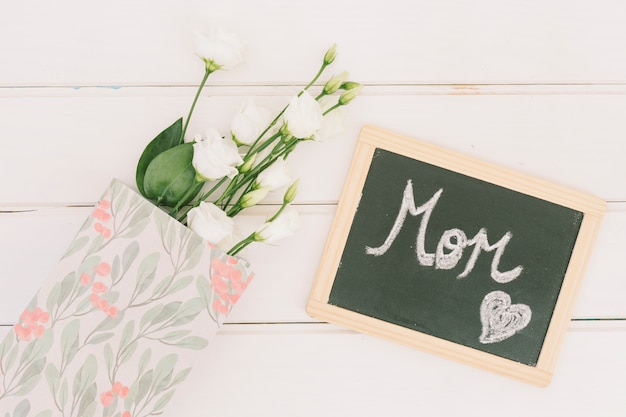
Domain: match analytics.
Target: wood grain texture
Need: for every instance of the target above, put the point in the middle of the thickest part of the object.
(538, 87)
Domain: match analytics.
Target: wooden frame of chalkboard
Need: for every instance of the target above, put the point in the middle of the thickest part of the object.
(458, 257)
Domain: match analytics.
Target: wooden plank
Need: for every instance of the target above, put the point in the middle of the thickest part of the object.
(147, 42)
(573, 140)
(281, 368)
(31, 242)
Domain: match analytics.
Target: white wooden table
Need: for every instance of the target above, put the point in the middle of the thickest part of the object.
(535, 86)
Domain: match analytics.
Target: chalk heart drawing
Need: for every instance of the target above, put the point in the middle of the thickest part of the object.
(500, 318)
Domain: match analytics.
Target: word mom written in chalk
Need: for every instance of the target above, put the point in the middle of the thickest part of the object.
(451, 244)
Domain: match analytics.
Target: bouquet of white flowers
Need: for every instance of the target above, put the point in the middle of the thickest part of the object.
(206, 181)
(106, 332)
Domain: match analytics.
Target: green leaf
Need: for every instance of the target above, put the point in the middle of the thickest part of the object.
(164, 371)
(5, 346)
(175, 335)
(130, 254)
(162, 287)
(129, 352)
(10, 358)
(127, 333)
(37, 348)
(143, 361)
(143, 385)
(188, 311)
(45, 413)
(108, 357)
(53, 296)
(85, 375)
(87, 405)
(28, 385)
(180, 377)
(195, 250)
(204, 289)
(101, 338)
(149, 315)
(31, 376)
(162, 402)
(171, 178)
(193, 342)
(119, 195)
(88, 266)
(136, 228)
(115, 269)
(96, 245)
(180, 284)
(76, 245)
(69, 342)
(53, 377)
(111, 297)
(109, 323)
(167, 312)
(170, 238)
(66, 286)
(63, 392)
(22, 409)
(147, 272)
(165, 140)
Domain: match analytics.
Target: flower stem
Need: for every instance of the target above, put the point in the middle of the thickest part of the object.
(278, 213)
(336, 106)
(193, 104)
(202, 198)
(280, 150)
(173, 212)
(241, 245)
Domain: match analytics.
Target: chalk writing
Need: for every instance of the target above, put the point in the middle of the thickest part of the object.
(501, 319)
(453, 240)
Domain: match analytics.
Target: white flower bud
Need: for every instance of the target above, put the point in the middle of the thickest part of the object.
(254, 197)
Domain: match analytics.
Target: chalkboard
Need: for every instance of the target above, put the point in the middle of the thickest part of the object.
(455, 256)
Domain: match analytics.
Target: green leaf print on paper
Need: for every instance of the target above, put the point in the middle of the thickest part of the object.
(130, 254)
(194, 250)
(69, 343)
(53, 377)
(127, 299)
(187, 312)
(31, 376)
(29, 367)
(76, 245)
(84, 377)
(146, 273)
(83, 392)
(192, 342)
(154, 388)
(22, 409)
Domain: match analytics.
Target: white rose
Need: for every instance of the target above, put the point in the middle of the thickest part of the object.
(211, 223)
(284, 226)
(249, 122)
(275, 176)
(303, 116)
(219, 49)
(215, 157)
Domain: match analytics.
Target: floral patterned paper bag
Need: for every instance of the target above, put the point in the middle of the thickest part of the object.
(117, 326)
